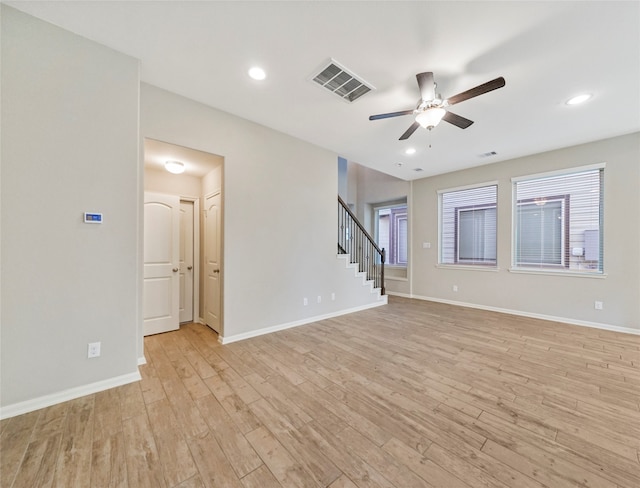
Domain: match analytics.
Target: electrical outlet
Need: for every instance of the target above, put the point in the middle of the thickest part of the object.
(333, 296)
(319, 299)
(455, 288)
(426, 245)
(598, 305)
(93, 350)
(305, 302)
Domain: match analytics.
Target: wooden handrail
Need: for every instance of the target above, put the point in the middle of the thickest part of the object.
(357, 222)
(360, 246)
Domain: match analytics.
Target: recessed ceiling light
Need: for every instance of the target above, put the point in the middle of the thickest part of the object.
(175, 167)
(399, 165)
(410, 150)
(257, 73)
(579, 99)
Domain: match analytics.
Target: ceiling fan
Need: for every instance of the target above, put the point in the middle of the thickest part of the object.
(432, 108)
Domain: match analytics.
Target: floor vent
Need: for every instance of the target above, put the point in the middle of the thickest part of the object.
(341, 82)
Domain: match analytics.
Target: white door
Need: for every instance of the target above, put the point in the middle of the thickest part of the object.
(161, 252)
(212, 226)
(186, 262)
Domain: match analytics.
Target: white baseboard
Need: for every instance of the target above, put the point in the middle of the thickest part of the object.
(398, 294)
(142, 360)
(66, 395)
(565, 320)
(268, 330)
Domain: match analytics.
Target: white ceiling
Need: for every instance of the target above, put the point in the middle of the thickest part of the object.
(546, 51)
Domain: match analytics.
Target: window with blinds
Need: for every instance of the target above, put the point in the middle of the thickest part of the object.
(468, 225)
(391, 233)
(558, 221)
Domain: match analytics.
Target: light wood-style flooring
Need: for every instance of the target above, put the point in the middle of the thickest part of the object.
(413, 394)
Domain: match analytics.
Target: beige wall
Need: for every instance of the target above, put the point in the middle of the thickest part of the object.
(569, 298)
(69, 145)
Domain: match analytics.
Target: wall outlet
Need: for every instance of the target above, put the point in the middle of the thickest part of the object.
(426, 245)
(305, 302)
(93, 350)
(319, 299)
(333, 296)
(598, 305)
(454, 287)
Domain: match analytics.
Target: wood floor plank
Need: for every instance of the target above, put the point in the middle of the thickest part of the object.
(143, 463)
(285, 469)
(260, 478)
(215, 470)
(239, 452)
(14, 440)
(73, 464)
(109, 463)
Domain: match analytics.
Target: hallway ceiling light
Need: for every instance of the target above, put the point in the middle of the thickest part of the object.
(411, 150)
(257, 73)
(175, 167)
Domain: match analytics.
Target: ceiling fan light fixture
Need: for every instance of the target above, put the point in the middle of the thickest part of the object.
(175, 167)
(430, 117)
(578, 99)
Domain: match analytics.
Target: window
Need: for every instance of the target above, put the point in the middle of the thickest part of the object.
(558, 221)
(468, 225)
(391, 233)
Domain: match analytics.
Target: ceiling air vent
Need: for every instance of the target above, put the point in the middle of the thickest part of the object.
(341, 82)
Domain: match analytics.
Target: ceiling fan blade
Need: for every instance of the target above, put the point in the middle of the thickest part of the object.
(457, 120)
(409, 131)
(478, 90)
(389, 115)
(427, 86)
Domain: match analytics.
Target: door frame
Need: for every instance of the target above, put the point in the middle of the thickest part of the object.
(218, 191)
(196, 256)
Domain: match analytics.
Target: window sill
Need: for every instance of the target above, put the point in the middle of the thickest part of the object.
(468, 267)
(549, 272)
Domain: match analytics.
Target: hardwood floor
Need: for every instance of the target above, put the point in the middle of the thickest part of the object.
(413, 394)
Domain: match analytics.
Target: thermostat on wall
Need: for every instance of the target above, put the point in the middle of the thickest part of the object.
(92, 218)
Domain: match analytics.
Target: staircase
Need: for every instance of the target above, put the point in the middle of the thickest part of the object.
(359, 249)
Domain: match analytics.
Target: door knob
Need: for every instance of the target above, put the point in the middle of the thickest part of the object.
(175, 270)
(216, 270)
(189, 268)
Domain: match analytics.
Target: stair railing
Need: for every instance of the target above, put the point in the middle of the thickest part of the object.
(355, 241)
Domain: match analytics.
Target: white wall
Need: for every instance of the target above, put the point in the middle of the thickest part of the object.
(69, 145)
(566, 297)
(280, 207)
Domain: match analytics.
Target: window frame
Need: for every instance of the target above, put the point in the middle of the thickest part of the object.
(392, 235)
(489, 265)
(564, 269)
(456, 247)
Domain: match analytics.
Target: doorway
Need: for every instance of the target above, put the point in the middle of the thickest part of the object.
(197, 300)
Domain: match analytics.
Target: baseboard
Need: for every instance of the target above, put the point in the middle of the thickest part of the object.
(398, 294)
(552, 318)
(66, 395)
(142, 361)
(268, 330)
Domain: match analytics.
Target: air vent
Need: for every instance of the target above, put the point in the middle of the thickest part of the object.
(341, 82)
